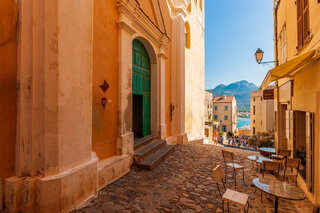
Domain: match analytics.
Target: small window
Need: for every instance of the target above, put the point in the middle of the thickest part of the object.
(216, 117)
(226, 117)
(188, 35)
(254, 110)
(254, 121)
(215, 107)
(254, 130)
(225, 107)
(254, 99)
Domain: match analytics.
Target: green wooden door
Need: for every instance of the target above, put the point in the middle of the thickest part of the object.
(141, 82)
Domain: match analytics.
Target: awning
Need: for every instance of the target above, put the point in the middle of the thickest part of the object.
(284, 70)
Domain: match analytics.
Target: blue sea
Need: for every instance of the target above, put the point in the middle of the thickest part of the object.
(243, 122)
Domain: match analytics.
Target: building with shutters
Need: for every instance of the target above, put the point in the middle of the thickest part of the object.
(261, 112)
(225, 111)
(81, 81)
(297, 92)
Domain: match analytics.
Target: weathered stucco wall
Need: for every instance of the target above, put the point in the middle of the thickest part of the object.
(194, 79)
(105, 67)
(8, 82)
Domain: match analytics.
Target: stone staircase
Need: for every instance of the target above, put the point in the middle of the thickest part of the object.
(150, 151)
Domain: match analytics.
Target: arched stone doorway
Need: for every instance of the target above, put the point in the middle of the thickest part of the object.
(141, 90)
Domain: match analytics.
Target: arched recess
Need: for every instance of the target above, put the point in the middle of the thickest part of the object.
(188, 35)
(154, 84)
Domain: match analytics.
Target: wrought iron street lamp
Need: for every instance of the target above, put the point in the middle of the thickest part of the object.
(259, 56)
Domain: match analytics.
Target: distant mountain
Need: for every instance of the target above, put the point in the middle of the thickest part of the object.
(241, 90)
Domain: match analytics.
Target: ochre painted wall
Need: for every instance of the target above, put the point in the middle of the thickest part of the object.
(105, 67)
(8, 82)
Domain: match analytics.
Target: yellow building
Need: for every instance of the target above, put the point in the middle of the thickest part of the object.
(297, 93)
(261, 112)
(75, 78)
(225, 112)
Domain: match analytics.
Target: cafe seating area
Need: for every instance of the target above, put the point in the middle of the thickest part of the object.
(276, 176)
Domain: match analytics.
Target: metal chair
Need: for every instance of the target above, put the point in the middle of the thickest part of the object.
(228, 163)
(268, 166)
(285, 153)
(293, 163)
(229, 195)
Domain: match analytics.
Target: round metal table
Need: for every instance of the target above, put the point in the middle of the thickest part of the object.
(267, 151)
(279, 189)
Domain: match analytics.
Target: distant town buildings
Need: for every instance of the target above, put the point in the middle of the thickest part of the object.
(262, 111)
(225, 112)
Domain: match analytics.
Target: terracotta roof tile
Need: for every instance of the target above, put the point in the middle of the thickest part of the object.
(227, 99)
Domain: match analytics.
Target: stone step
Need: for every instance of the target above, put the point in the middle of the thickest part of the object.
(138, 143)
(147, 150)
(156, 158)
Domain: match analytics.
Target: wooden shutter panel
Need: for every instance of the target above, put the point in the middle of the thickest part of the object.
(309, 150)
(288, 124)
(305, 20)
(299, 22)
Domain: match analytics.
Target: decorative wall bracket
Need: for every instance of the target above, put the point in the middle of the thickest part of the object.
(104, 86)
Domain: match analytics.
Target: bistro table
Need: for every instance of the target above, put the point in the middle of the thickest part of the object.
(279, 189)
(267, 151)
(258, 159)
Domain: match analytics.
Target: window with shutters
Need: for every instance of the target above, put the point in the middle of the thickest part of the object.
(303, 23)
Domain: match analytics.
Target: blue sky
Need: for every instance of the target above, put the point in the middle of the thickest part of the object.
(234, 31)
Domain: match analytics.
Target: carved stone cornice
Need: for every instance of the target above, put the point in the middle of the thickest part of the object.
(179, 7)
(132, 16)
(126, 27)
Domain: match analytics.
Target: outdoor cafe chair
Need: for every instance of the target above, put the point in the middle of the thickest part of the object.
(289, 166)
(229, 196)
(284, 153)
(270, 166)
(228, 158)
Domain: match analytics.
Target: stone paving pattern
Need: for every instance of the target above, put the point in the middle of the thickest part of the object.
(184, 183)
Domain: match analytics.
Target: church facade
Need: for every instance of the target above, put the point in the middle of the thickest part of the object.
(82, 80)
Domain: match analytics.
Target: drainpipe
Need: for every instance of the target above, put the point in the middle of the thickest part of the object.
(277, 115)
(276, 6)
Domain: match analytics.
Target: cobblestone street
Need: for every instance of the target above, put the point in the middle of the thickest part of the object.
(184, 183)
